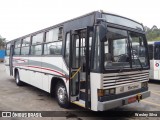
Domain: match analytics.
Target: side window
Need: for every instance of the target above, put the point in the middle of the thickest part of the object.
(156, 52)
(52, 35)
(8, 49)
(53, 48)
(37, 39)
(66, 56)
(17, 47)
(150, 51)
(25, 46)
(53, 44)
(36, 48)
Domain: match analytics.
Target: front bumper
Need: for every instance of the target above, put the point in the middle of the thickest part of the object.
(102, 106)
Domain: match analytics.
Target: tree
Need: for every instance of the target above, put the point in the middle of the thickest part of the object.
(2, 42)
(153, 34)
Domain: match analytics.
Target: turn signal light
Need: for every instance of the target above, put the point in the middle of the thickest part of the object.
(100, 92)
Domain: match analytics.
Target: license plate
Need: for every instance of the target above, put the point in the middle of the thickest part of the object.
(132, 99)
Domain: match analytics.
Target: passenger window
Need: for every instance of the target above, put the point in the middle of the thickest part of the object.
(25, 46)
(25, 50)
(52, 35)
(53, 48)
(53, 44)
(36, 50)
(26, 42)
(37, 39)
(17, 47)
(16, 51)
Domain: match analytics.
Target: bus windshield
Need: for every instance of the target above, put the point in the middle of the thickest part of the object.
(122, 21)
(124, 50)
(157, 52)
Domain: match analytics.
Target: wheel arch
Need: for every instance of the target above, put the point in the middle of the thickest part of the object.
(53, 84)
(15, 71)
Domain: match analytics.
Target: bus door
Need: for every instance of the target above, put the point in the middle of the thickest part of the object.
(80, 47)
(11, 60)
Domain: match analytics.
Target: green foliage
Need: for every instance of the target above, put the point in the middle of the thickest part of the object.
(2, 42)
(153, 34)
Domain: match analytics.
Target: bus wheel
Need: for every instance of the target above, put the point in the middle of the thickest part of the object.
(61, 95)
(18, 82)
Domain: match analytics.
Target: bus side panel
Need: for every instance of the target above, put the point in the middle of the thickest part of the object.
(95, 84)
(52, 65)
(39, 71)
(151, 71)
(20, 63)
(7, 68)
(24, 75)
(45, 82)
(156, 69)
(35, 74)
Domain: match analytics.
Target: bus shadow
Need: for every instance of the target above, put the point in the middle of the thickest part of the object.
(154, 81)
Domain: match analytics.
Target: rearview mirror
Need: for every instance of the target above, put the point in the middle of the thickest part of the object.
(102, 29)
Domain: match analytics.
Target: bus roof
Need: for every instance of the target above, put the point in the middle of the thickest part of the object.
(94, 14)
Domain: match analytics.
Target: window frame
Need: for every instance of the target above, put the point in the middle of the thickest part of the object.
(49, 43)
(34, 51)
(8, 49)
(58, 40)
(31, 44)
(133, 69)
(35, 35)
(26, 46)
(17, 47)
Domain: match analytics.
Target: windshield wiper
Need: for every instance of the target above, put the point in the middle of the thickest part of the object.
(140, 63)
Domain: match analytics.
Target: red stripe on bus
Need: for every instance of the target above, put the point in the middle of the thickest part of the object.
(19, 59)
(46, 69)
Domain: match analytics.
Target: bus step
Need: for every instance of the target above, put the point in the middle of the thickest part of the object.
(82, 84)
(80, 103)
(82, 95)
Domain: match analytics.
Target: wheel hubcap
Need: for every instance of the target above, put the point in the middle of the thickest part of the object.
(61, 94)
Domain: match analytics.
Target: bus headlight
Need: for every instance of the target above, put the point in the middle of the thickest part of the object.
(112, 91)
(144, 84)
(100, 92)
(106, 92)
(109, 91)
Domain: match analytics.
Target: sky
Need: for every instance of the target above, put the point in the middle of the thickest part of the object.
(21, 17)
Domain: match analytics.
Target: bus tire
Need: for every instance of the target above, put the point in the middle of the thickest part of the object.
(17, 78)
(61, 95)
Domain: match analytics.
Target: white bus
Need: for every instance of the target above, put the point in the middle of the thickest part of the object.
(154, 55)
(88, 61)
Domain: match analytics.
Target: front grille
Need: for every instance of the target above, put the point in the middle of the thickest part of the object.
(111, 80)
